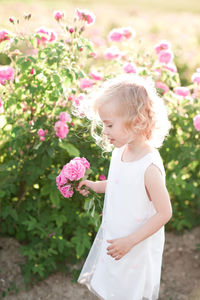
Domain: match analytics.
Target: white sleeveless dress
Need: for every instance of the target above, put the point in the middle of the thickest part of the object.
(136, 276)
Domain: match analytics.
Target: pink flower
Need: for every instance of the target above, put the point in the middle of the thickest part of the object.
(46, 35)
(78, 99)
(196, 78)
(96, 75)
(41, 132)
(162, 86)
(31, 122)
(163, 45)
(32, 71)
(86, 15)
(11, 20)
(82, 160)
(66, 191)
(196, 122)
(74, 170)
(65, 117)
(60, 179)
(129, 68)
(112, 52)
(102, 177)
(120, 34)
(71, 97)
(6, 73)
(61, 129)
(42, 138)
(171, 67)
(165, 56)
(128, 32)
(1, 107)
(93, 54)
(4, 35)
(86, 83)
(58, 15)
(71, 30)
(182, 91)
(116, 35)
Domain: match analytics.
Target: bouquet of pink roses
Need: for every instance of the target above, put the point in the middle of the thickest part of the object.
(73, 171)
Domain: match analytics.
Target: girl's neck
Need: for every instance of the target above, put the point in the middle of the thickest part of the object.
(138, 145)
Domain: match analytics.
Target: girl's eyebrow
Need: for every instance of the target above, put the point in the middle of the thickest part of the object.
(106, 121)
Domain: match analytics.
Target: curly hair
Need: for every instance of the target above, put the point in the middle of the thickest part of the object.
(135, 98)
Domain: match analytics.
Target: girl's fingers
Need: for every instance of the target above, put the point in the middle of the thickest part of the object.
(80, 184)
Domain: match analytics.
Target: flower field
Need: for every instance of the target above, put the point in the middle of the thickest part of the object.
(51, 60)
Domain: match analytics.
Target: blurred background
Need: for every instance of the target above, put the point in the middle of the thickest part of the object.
(153, 20)
(176, 21)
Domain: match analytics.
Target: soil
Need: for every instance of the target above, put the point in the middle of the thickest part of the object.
(180, 273)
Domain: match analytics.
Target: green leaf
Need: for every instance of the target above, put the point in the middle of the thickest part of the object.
(54, 197)
(2, 193)
(45, 190)
(71, 149)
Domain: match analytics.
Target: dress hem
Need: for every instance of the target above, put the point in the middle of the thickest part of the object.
(92, 290)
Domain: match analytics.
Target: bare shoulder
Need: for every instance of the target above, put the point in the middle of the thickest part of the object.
(153, 175)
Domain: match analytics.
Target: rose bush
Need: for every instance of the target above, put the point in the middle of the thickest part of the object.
(39, 90)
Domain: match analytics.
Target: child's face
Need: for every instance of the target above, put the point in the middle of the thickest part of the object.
(113, 126)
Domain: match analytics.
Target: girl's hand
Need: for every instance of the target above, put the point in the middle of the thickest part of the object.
(88, 183)
(119, 247)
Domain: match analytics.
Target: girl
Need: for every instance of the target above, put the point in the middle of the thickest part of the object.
(124, 262)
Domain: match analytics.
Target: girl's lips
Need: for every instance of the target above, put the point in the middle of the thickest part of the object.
(111, 141)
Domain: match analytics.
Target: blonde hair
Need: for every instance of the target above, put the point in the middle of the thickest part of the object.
(134, 97)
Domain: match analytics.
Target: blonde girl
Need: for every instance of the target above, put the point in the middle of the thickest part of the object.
(124, 262)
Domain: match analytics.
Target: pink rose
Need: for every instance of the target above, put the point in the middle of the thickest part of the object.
(163, 45)
(79, 98)
(128, 32)
(182, 91)
(196, 78)
(129, 68)
(61, 129)
(102, 177)
(1, 107)
(94, 54)
(96, 75)
(60, 179)
(116, 35)
(42, 138)
(162, 86)
(66, 191)
(165, 56)
(6, 73)
(86, 15)
(82, 160)
(41, 132)
(112, 52)
(171, 67)
(71, 97)
(4, 35)
(120, 34)
(32, 71)
(74, 170)
(196, 122)
(46, 35)
(65, 117)
(86, 83)
(58, 15)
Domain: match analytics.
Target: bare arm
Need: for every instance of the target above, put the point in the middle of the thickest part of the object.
(96, 186)
(157, 190)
